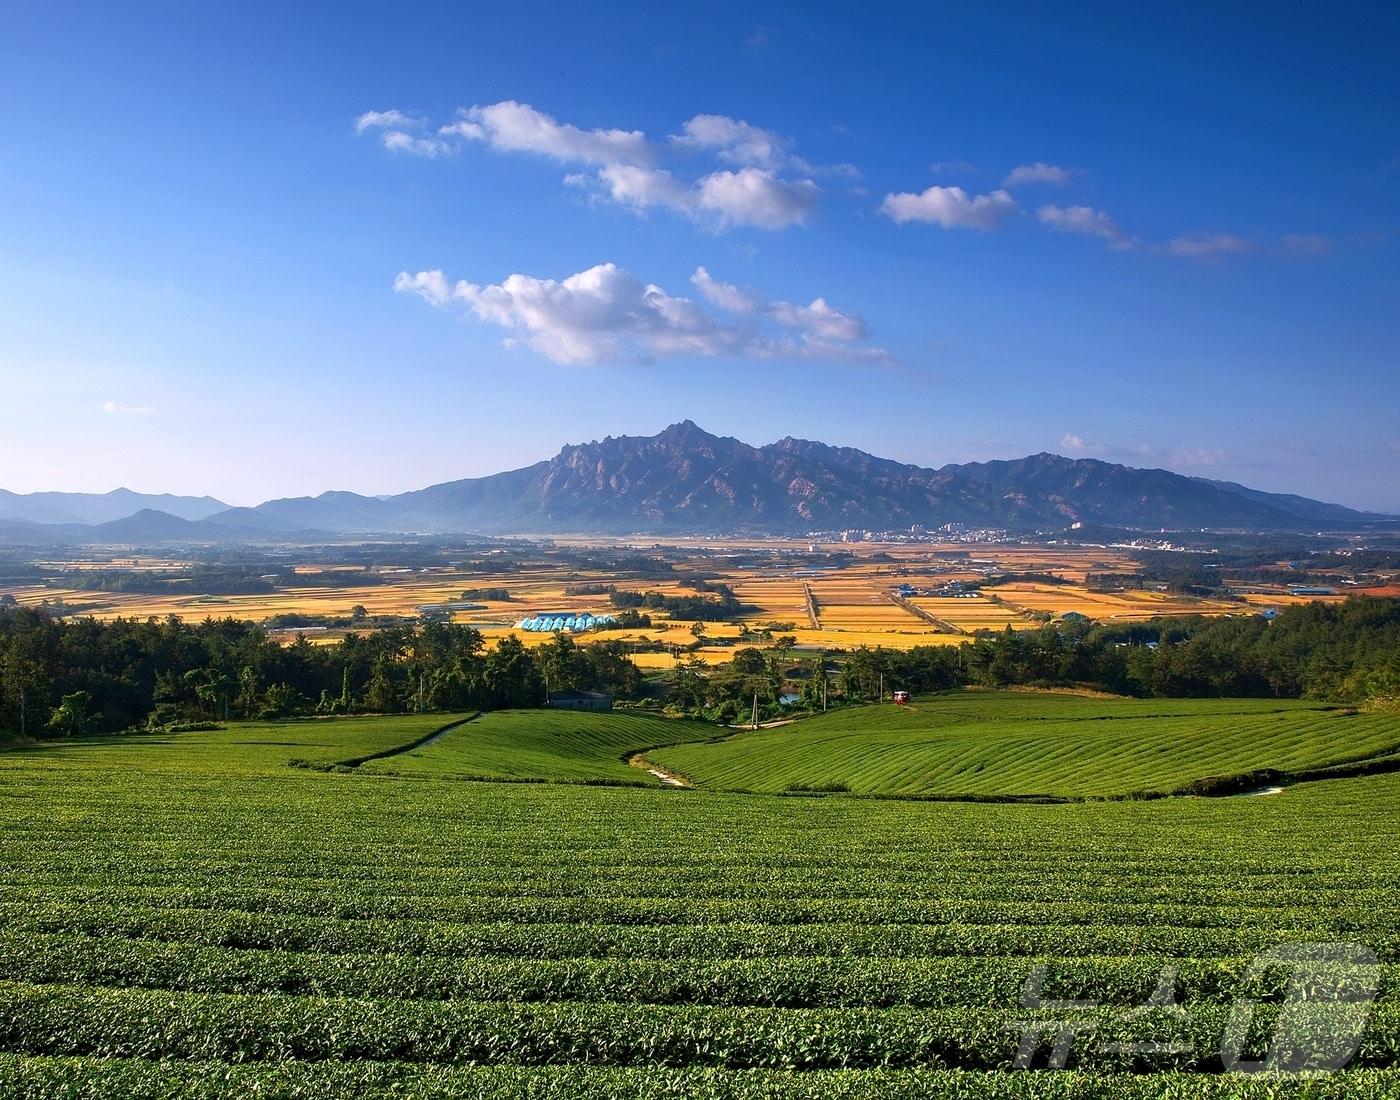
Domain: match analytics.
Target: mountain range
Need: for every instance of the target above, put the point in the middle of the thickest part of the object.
(686, 481)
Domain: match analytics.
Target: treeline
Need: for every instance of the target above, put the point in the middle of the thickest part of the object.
(501, 594)
(73, 677)
(717, 605)
(215, 580)
(997, 579)
(1348, 652)
(60, 678)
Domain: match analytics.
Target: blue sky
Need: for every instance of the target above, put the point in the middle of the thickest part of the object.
(265, 250)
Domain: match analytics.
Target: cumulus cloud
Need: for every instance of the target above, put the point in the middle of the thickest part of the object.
(734, 141)
(1039, 172)
(955, 208)
(400, 141)
(950, 207)
(756, 197)
(1084, 220)
(115, 408)
(751, 196)
(1207, 246)
(401, 133)
(387, 120)
(726, 296)
(638, 187)
(606, 314)
(819, 320)
(765, 187)
(512, 127)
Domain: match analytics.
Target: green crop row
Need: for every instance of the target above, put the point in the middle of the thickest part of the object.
(787, 981)
(665, 911)
(41, 1078)
(126, 1023)
(731, 940)
(369, 891)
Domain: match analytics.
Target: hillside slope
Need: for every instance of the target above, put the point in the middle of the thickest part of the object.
(998, 744)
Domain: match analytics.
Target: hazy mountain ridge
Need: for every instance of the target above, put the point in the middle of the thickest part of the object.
(93, 508)
(685, 480)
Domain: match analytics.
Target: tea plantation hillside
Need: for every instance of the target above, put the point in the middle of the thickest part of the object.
(543, 744)
(191, 917)
(1011, 743)
(240, 748)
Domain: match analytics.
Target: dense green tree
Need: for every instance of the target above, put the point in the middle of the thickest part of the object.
(73, 716)
(511, 678)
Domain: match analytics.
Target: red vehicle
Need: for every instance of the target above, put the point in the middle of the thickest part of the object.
(901, 698)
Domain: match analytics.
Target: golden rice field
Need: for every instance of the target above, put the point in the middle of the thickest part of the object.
(1286, 599)
(778, 598)
(1114, 606)
(972, 613)
(854, 604)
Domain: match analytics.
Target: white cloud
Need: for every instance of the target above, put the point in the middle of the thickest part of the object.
(734, 141)
(386, 120)
(1084, 220)
(757, 197)
(605, 314)
(726, 296)
(950, 207)
(431, 286)
(400, 141)
(623, 163)
(1207, 246)
(513, 127)
(114, 408)
(820, 320)
(401, 133)
(737, 142)
(1039, 172)
(749, 197)
(639, 188)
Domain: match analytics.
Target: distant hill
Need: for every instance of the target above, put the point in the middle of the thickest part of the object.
(90, 508)
(686, 481)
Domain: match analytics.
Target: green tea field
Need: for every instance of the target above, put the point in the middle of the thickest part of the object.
(188, 916)
(1026, 744)
(526, 744)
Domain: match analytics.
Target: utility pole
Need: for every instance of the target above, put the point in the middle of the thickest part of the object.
(21, 710)
(824, 683)
(755, 710)
(420, 691)
(882, 687)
